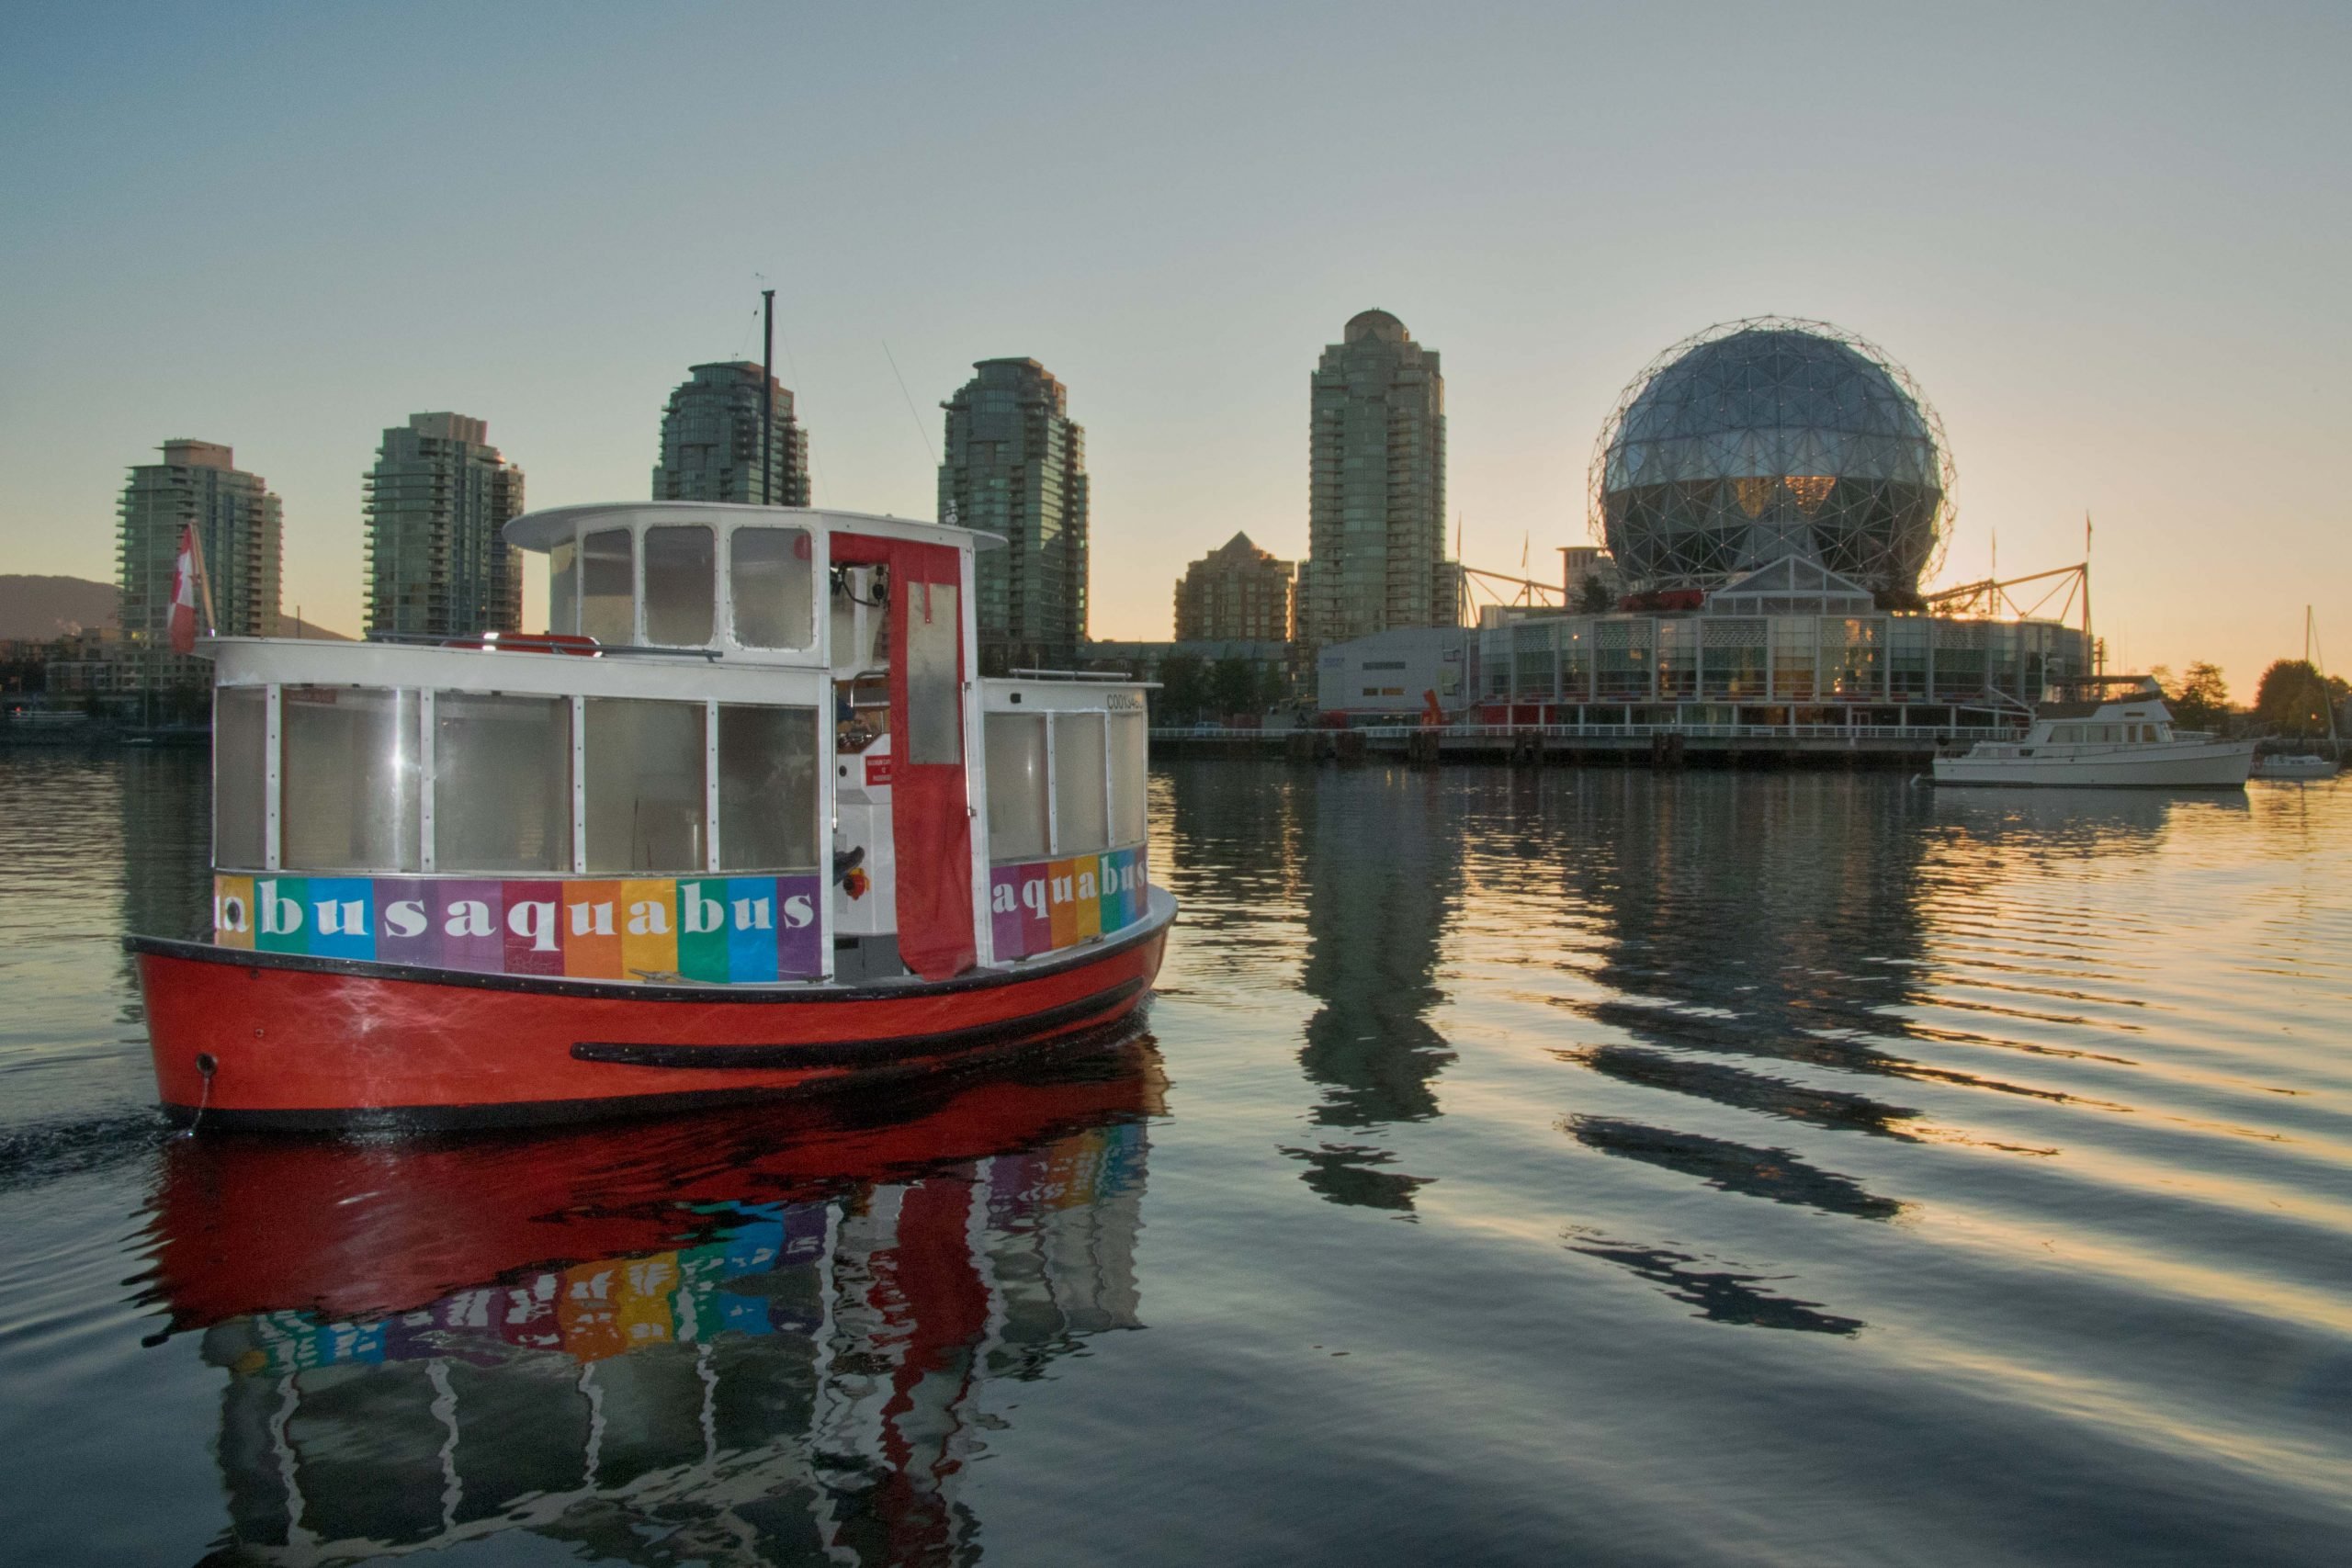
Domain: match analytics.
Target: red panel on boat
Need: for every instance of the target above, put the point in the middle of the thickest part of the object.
(930, 822)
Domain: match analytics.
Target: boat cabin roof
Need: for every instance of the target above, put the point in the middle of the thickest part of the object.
(553, 525)
(2088, 696)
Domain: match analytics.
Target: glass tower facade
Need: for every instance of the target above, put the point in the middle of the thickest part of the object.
(242, 528)
(1017, 466)
(710, 441)
(435, 502)
(1377, 490)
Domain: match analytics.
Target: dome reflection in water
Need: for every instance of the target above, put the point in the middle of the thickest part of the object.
(731, 1333)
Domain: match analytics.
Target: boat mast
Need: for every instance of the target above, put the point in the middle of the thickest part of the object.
(2326, 697)
(767, 397)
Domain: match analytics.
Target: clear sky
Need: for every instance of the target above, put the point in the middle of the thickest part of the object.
(2110, 241)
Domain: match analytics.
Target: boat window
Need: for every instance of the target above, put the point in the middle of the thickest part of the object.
(767, 787)
(934, 717)
(2066, 734)
(607, 587)
(680, 585)
(239, 761)
(1016, 775)
(642, 763)
(501, 783)
(563, 588)
(348, 779)
(1080, 823)
(768, 578)
(1130, 759)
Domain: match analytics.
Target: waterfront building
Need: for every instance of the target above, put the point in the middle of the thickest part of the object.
(435, 503)
(711, 448)
(1772, 493)
(1016, 467)
(1237, 593)
(1376, 489)
(1390, 674)
(1790, 644)
(242, 528)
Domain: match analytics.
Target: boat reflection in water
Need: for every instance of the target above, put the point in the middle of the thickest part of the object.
(754, 1337)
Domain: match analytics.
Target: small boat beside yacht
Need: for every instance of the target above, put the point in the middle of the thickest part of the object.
(2103, 732)
(2290, 766)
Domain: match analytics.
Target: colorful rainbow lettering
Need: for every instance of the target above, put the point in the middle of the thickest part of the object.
(721, 930)
(1038, 906)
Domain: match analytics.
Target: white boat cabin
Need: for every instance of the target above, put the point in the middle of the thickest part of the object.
(751, 748)
(2092, 714)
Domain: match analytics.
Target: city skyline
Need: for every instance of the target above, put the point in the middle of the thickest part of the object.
(2102, 256)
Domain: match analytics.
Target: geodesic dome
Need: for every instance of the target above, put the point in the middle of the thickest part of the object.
(1760, 440)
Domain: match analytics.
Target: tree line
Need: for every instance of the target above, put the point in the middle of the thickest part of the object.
(2292, 698)
(1193, 689)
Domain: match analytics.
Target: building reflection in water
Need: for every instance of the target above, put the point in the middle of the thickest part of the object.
(726, 1340)
(1748, 936)
(1382, 875)
(1352, 873)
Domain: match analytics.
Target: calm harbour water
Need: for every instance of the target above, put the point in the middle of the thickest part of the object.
(1514, 1168)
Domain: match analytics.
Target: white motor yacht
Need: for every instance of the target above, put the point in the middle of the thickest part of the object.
(2104, 731)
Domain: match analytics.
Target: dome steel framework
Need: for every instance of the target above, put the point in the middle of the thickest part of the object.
(1760, 440)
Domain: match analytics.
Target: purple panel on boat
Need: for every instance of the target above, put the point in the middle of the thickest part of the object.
(799, 951)
(471, 919)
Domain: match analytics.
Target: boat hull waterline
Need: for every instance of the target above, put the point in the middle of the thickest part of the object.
(294, 1041)
(2215, 765)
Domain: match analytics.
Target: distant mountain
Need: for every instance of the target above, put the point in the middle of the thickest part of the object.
(40, 608)
(44, 607)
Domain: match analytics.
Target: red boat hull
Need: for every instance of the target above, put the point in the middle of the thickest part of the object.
(297, 1042)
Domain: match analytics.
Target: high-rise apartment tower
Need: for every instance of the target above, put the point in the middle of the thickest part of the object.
(710, 441)
(1237, 593)
(242, 528)
(435, 502)
(1017, 466)
(1376, 509)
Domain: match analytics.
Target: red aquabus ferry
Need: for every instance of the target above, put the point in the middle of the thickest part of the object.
(744, 821)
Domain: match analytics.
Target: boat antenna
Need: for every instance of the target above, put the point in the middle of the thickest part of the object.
(767, 397)
(910, 396)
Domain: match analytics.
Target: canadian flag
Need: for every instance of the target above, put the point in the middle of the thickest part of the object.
(184, 593)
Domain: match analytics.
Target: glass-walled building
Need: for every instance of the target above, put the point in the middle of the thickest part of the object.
(712, 445)
(242, 528)
(435, 502)
(1016, 467)
(1376, 489)
(1790, 644)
